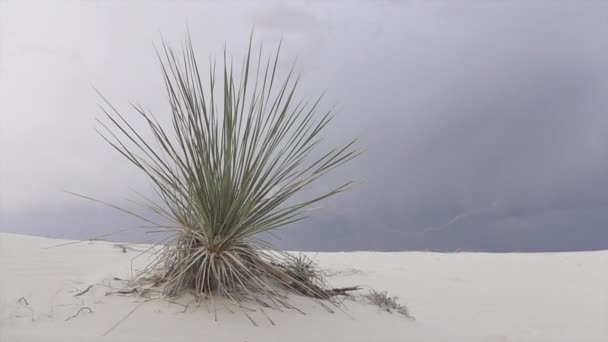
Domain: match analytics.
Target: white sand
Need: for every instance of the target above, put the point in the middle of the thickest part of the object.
(454, 297)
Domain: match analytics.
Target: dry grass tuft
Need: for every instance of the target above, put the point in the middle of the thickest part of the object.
(387, 303)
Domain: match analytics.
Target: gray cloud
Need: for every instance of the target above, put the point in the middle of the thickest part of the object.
(494, 108)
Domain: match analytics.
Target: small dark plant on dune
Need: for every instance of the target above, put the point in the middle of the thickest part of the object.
(226, 169)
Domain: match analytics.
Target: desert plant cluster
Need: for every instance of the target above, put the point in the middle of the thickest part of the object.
(232, 163)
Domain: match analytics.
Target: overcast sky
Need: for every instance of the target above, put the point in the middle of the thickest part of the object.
(485, 122)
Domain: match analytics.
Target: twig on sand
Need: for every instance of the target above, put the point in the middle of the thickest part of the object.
(79, 311)
(342, 291)
(267, 317)
(23, 300)
(178, 304)
(124, 318)
(84, 291)
(129, 314)
(126, 246)
(96, 238)
(127, 291)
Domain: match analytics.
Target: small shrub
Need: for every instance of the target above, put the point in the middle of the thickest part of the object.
(387, 303)
(239, 147)
(306, 277)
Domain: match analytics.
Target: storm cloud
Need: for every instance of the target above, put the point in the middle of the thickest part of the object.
(485, 122)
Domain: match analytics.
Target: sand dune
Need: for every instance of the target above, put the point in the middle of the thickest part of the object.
(454, 297)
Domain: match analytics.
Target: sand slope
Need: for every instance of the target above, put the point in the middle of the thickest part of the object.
(454, 297)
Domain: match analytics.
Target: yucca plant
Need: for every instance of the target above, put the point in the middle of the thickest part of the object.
(226, 170)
